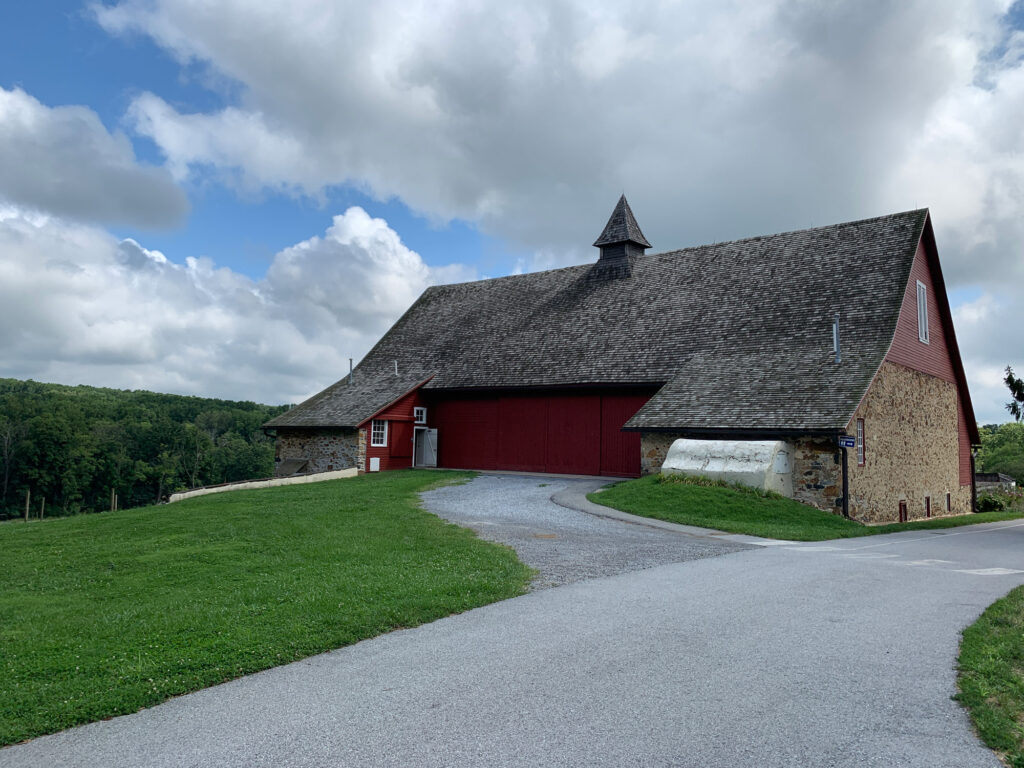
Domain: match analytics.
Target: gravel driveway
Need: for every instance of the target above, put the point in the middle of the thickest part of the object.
(564, 545)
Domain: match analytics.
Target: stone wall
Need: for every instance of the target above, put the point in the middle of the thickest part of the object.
(911, 448)
(653, 449)
(326, 449)
(818, 473)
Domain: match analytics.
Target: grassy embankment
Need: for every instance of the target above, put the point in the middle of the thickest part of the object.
(992, 676)
(102, 615)
(698, 501)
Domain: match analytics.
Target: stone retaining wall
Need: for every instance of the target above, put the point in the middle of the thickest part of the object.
(273, 482)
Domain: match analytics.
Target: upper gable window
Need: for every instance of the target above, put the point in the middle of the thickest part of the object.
(922, 312)
(378, 433)
(419, 415)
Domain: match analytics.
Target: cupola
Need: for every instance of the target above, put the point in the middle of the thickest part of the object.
(621, 243)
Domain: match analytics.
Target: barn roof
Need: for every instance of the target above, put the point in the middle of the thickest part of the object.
(739, 333)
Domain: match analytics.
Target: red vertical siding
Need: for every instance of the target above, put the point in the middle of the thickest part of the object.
(578, 432)
(934, 357)
(522, 433)
(574, 434)
(620, 451)
(467, 432)
(397, 454)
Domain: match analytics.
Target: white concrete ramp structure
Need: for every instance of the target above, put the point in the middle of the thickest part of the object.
(764, 464)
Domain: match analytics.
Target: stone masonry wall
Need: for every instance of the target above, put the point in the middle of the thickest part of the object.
(326, 449)
(818, 473)
(653, 449)
(911, 448)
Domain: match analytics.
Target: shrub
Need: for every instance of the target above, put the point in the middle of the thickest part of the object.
(989, 502)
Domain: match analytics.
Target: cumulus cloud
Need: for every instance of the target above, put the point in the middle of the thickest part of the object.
(78, 305)
(64, 161)
(718, 119)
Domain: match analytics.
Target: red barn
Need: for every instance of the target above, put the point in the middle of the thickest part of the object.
(804, 336)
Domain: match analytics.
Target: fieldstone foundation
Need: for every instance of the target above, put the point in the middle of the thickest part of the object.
(325, 449)
(818, 473)
(653, 449)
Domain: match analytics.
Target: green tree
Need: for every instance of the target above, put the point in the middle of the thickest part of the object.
(1002, 449)
(1015, 406)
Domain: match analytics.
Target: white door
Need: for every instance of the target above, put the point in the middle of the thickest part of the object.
(430, 448)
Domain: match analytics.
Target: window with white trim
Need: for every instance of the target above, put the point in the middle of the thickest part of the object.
(860, 443)
(378, 433)
(419, 415)
(922, 312)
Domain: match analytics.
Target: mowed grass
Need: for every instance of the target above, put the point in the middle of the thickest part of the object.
(102, 615)
(992, 676)
(696, 501)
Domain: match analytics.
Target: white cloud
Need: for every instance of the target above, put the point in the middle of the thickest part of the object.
(718, 119)
(78, 305)
(988, 333)
(62, 160)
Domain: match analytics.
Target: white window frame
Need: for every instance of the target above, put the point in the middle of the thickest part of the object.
(922, 312)
(383, 441)
(861, 450)
(419, 415)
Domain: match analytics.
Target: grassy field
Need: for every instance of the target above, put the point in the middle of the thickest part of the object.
(693, 501)
(992, 676)
(104, 614)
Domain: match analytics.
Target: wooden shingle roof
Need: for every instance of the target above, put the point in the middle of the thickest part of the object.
(739, 333)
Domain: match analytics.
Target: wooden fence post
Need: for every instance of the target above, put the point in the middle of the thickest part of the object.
(42, 508)
(112, 500)
(28, 499)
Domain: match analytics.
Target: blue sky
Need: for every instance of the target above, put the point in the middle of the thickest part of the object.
(234, 197)
(58, 53)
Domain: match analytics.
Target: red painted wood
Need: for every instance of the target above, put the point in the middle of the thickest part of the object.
(965, 446)
(397, 454)
(620, 451)
(400, 441)
(467, 432)
(522, 433)
(574, 434)
(907, 349)
(934, 357)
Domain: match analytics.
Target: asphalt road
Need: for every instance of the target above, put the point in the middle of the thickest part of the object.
(834, 654)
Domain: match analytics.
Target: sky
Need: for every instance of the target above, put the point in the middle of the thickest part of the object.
(232, 198)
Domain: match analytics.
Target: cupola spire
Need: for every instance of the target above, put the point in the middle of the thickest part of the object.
(620, 242)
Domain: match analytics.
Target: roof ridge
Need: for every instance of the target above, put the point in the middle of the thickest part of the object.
(917, 211)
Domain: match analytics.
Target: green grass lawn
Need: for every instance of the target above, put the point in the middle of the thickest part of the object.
(992, 676)
(692, 501)
(104, 614)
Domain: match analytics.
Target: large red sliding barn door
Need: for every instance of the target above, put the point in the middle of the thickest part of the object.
(577, 434)
(620, 451)
(574, 434)
(467, 433)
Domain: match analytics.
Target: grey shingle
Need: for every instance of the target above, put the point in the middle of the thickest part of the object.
(741, 332)
(622, 227)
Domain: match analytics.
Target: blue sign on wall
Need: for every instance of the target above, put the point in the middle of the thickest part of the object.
(845, 441)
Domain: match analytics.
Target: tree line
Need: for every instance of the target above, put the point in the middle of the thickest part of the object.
(75, 446)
